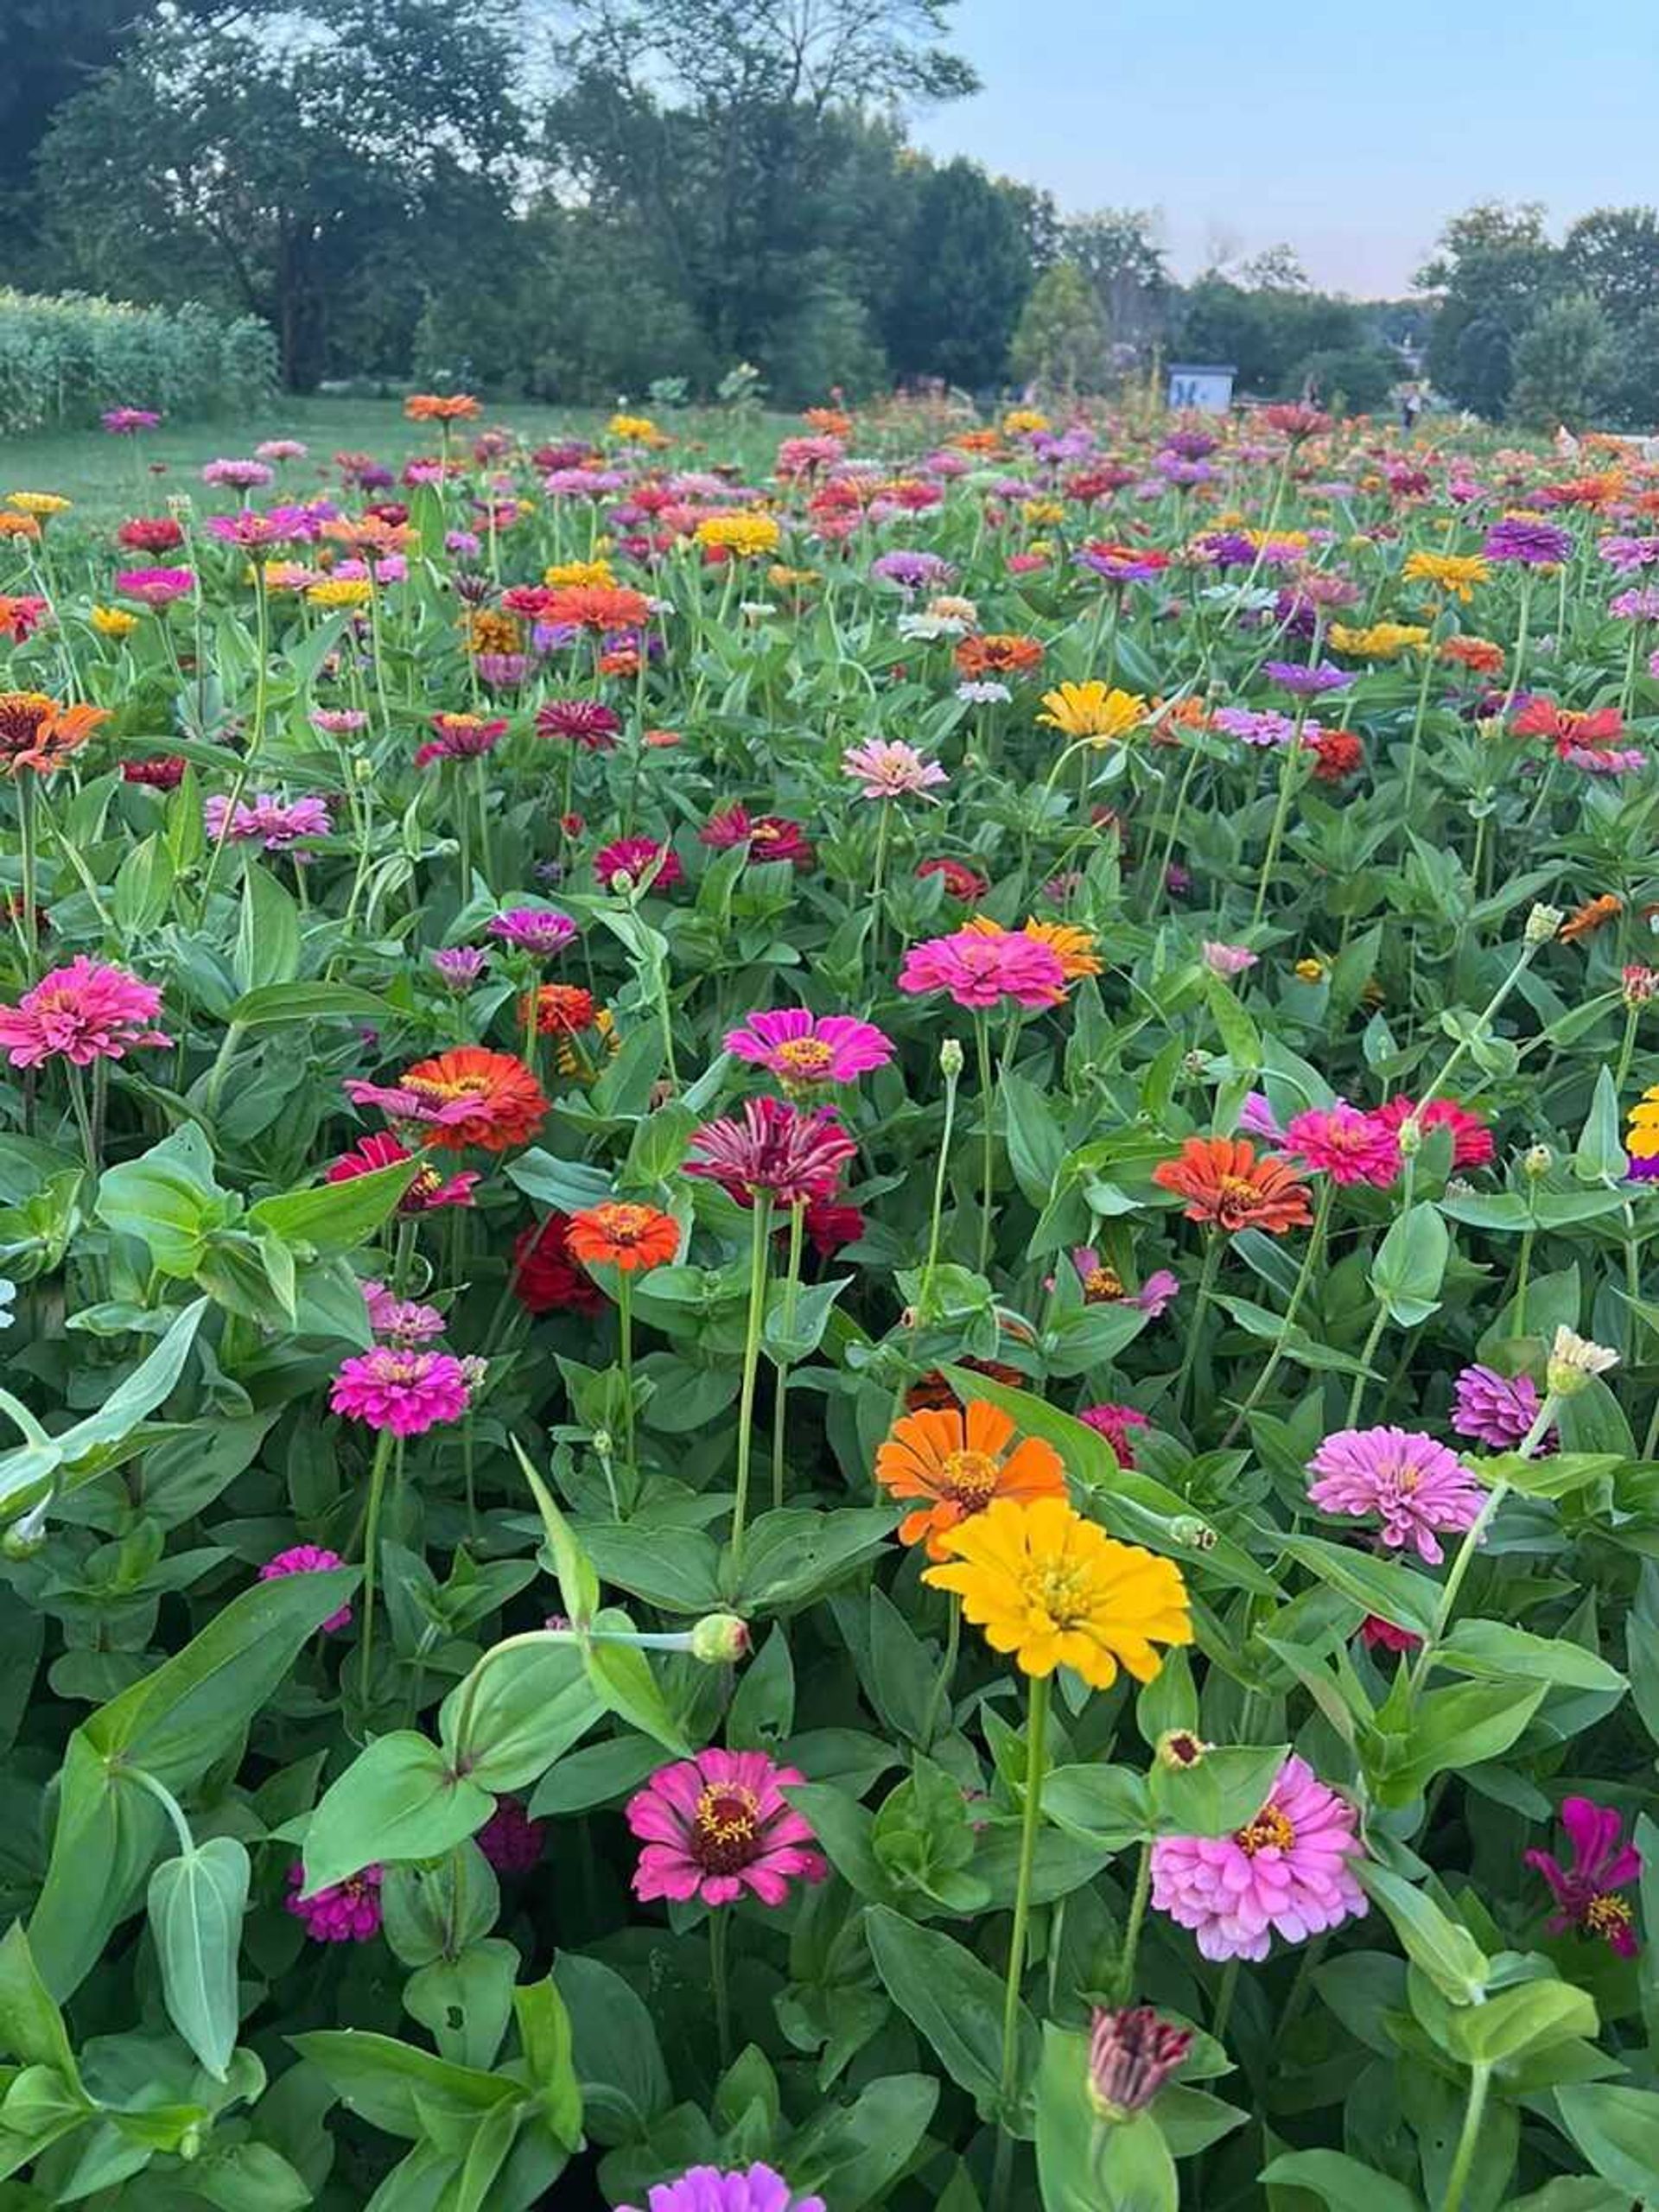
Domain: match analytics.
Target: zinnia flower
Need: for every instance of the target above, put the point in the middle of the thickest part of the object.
(86, 1011)
(1601, 1865)
(1528, 543)
(309, 1558)
(407, 1392)
(1288, 1872)
(886, 768)
(1642, 1136)
(544, 1277)
(1224, 1184)
(1094, 710)
(541, 930)
(587, 722)
(381, 1149)
(1471, 1141)
(958, 1461)
(469, 1095)
(459, 737)
(1456, 574)
(637, 858)
(1055, 1591)
(979, 971)
(36, 732)
(1117, 1425)
(1132, 2053)
(778, 1149)
(706, 2188)
(630, 1237)
(345, 1912)
(807, 1051)
(1417, 1487)
(1345, 1144)
(266, 820)
(1497, 1410)
(718, 1824)
(961, 883)
(510, 1840)
(1227, 960)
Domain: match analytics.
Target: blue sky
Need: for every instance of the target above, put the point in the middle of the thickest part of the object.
(1351, 136)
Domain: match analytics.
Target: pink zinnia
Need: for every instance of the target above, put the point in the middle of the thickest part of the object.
(980, 972)
(345, 1912)
(805, 1052)
(406, 1392)
(308, 1559)
(637, 857)
(1498, 1409)
(400, 1320)
(270, 821)
(1601, 1866)
(540, 929)
(381, 1149)
(1417, 1487)
(1116, 1424)
(588, 722)
(1345, 1144)
(885, 767)
(155, 588)
(86, 1011)
(1471, 1141)
(1286, 1872)
(777, 1149)
(718, 1824)
(1227, 959)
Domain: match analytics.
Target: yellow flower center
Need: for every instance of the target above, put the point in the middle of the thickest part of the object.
(1058, 1588)
(1606, 1914)
(1268, 1831)
(444, 1089)
(969, 1478)
(1102, 1283)
(807, 1059)
(726, 1829)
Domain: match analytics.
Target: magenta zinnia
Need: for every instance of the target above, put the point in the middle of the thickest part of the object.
(980, 972)
(406, 1392)
(1602, 1865)
(86, 1011)
(1417, 1487)
(717, 1824)
(1345, 1144)
(775, 1150)
(1286, 1872)
(806, 1052)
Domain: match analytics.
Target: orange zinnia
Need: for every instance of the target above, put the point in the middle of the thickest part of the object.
(1595, 915)
(1225, 1183)
(595, 607)
(1480, 655)
(618, 1235)
(998, 654)
(36, 732)
(559, 1009)
(440, 407)
(509, 1104)
(957, 1460)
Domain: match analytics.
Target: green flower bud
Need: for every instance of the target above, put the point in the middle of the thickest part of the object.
(1574, 1362)
(1543, 924)
(719, 1639)
(950, 1059)
(1537, 1159)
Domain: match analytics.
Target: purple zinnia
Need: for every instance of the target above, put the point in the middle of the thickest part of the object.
(510, 1840)
(706, 2188)
(345, 1912)
(540, 929)
(1498, 1409)
(460, 965)
(1306, 682)
(1601, 1866)
(1417, 1487)
(308, 1559)
(911, 570)
(1530, 544)
(1256, 726)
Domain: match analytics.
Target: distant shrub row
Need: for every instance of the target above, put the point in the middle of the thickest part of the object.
(64, 359)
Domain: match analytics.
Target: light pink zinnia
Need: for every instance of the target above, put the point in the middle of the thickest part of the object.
(1416, 1487)
(980, 972)
(1227, 959)
(718, 1824)
(885, 767)
(268, 820)
(1286, 1872)
(406, 1392)
(308, 1559)
(1345, 1144)
(805, 1051)
(86, 1011)
(403, 1321)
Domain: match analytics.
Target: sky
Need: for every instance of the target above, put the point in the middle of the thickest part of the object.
(1351, 138)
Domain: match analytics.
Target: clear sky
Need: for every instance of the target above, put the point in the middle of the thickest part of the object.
(1350, 135)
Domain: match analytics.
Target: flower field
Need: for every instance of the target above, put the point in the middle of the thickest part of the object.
(831, 1379)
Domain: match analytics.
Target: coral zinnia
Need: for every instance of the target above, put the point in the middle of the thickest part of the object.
(958, 1461)
(1225, 1183)
(619, 1234)
(718, 1824)
(595, 607)
(775, 1150)
(36, 732)
(469, 1095)
(440, 407)
(1285, 1873)
(1055, 1591)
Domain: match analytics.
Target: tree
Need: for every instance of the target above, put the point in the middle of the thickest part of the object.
(1115, 248)
(289, 165)
(1355, 379)
(1612, 255)
(1564, 365)
(1269, 334)
(963, 278)
(1495, 267)
(1061, 340)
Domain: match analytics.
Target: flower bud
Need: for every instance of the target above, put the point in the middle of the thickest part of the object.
(1179, 1748)
(27, 1534)
(1537, 1159)
(1197, 1535)
(719, 1639)
(950, 1057)
(1574, 1362)
(1410, 1137)
(1132, 2053)
(1194, 1063)
(1638, 985)
(1311, 971)
(1543, 924)
(604, 1443)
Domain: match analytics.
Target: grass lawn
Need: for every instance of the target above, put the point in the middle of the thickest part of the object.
(106, 476)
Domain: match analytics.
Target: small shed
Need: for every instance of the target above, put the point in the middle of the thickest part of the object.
(1205, 385)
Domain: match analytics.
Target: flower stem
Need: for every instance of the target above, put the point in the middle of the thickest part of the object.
(938, 1696)
(1206, 1283)
(1373, 1337)
(718, 1924)
(1036, 1735)
(371, 1549)
(988, 1118)
(762, 1225)
(1224, 1996)
(625, 1327)
(780, 1402)
(1125, 1983)
(925, 1302)
(1468, 2140)
(1299, 1290)
(1280, 815)
(1417, 728)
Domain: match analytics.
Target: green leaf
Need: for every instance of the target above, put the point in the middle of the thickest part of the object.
(1110, 1806)
(850, 2155)
(143, 887)
(399, 2088)
(196, 1903)
(953, 2000)
(1599, 1157)
(31, 2026)
(267, 933)
(618, 2059)
(1386, 1587)
(1616, 2129)
(1340, 2181)
(524, 1704)
(273, 1006)
(1409, 1266)
(399, 1799)
(1489, 1648)
(1459, 1728)
(335, 1216)
(620, 1678)
(545, 2035)
(1225, 1790)
(168, 1200)
(1528, 2018)
(797, 1553)
(1441, 1947)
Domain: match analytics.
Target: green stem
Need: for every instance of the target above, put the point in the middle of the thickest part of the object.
(1373, 1337)
(938, 1696)
(83, 1120)
(925, 1304)
(1125, 1985)
(26, 788)
(625, 1326)
(1280, 815)
(762, 1225)
(987, 1117)
(1626, 1050)
(1224, 1996)
(1200, 1297)
(719, 1923)
(780, 1402)
(371, 1549)
(1299, 1291)
(1417, 728)
(1462, 2160)
(1030, 1820)
(168, 1803)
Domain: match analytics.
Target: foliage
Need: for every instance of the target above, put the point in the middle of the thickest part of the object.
(63, 361)
(1564, 364)
(1060, 342)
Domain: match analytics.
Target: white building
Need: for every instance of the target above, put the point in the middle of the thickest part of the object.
(1206, 386)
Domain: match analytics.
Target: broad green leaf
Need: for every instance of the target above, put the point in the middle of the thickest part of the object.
(274, 1005)
(1386, 1587)
(335, 1216)
(399, 1799)
(1225, 1790)
(1616, 2129)
(1410, 1265)
(1343, 2183)
(524, 1704)
(196, 1903)
(955, 2001)
(399, 2088)
(1512, 2022)
(1441, 1947)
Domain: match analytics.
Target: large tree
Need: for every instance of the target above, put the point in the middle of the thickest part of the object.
(306, 167)
(1495, 270)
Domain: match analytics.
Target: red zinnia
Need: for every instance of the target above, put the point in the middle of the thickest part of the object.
(1471, 1141)
(151, 534)
(545, 1278)
(586, 721)
(381, 1149)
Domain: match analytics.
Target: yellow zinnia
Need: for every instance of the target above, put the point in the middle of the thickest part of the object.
(635, 430)
(113, 621)
(741, 534)
(1642, 1139)
(38, 503)
(1025, 419)
(341, 591)
(1381, 641)
(579, 572)
(1094, 710)
(1054, 1590)
(1457, 573)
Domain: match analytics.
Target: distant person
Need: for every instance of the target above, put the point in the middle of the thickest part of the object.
(1411, 406)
